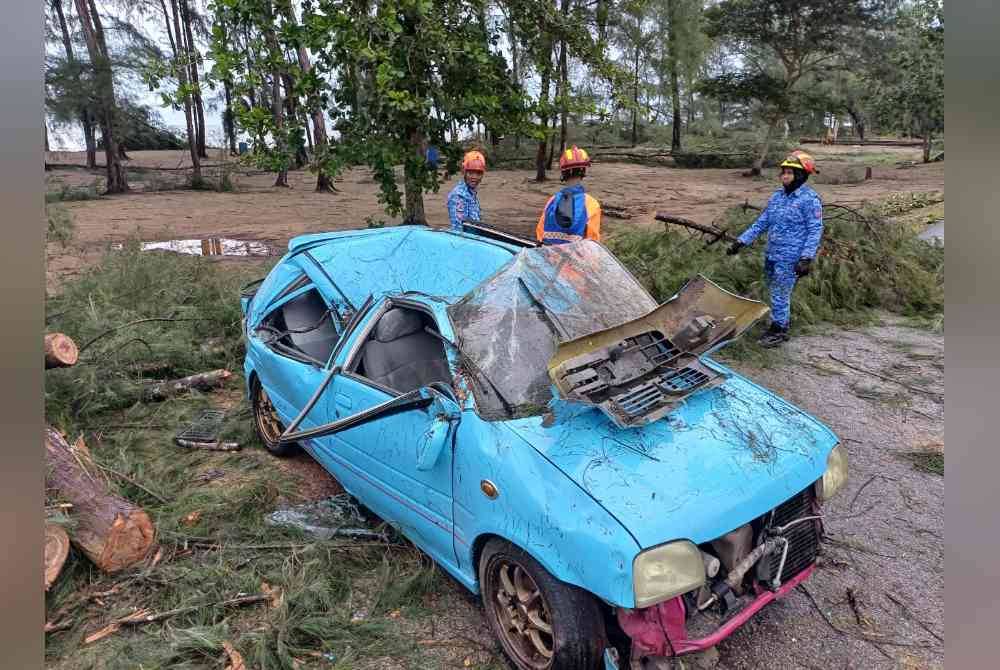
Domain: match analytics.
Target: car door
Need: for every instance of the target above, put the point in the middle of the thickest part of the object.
(300, 332)
(396, 455)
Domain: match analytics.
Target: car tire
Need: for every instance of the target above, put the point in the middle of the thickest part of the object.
(521, 600)
(266, 422)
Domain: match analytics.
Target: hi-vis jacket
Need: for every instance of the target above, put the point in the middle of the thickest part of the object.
(570, 215)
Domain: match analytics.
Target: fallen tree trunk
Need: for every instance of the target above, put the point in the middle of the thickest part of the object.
(111, 531)
(204, 381)
(60, 351)
(56, 551)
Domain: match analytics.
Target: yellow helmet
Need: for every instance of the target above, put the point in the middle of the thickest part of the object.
(801, 160)
(574, 157)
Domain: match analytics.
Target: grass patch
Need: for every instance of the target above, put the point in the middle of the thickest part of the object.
(929, 461)
(343, 603)
(68, 193)
(60, 226)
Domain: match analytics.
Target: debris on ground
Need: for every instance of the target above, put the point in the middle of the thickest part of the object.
(205, 381)
(326, 519)
(204, 433)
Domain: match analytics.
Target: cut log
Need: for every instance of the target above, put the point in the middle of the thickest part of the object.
(60, 351)
(56, 551)
(205, 381)
(111, 531)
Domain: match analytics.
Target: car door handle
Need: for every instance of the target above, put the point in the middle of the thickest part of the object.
(343, 401)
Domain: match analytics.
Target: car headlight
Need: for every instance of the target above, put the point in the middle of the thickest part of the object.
(666, 571)
(835, 476)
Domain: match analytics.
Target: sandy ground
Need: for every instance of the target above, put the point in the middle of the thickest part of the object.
(510, 199)
(885, 530)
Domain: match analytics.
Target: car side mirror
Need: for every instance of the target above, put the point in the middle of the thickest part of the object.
(444, 416)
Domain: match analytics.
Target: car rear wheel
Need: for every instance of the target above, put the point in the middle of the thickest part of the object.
(266, 422)
(542, 623)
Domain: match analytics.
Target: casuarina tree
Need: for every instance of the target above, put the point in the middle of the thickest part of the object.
(909, 84)
(781, 42)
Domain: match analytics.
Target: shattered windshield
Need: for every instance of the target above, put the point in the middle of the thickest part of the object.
(509, 325)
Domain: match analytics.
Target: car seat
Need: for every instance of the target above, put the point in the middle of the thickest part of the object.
(401, 355)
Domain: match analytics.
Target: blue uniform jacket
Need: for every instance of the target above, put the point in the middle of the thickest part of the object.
(794, 225)
(462, 204)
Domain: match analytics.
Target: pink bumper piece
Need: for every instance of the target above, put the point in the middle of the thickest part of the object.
(660, 630)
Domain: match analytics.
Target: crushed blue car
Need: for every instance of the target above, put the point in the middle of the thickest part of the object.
(553, 438)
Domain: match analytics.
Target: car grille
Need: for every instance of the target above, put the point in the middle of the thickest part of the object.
(803, 538)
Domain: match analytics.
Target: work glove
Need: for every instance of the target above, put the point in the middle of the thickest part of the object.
(803, 267)
(734, 248)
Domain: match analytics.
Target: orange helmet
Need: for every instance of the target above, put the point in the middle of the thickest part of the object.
(574, 157)
(474, 160)
(801, 160)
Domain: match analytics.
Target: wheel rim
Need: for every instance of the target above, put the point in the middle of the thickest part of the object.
(267, 418)
(522, 614)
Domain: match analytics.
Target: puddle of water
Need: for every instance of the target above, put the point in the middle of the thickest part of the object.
(934, 233)
(214, 246)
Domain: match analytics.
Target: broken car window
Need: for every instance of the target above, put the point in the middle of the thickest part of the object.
(510, 324)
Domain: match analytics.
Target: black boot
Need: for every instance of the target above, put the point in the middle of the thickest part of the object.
(773, 336)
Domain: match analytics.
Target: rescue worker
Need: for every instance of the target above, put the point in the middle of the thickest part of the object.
(463, 203)
(793, 220)
(571, 214)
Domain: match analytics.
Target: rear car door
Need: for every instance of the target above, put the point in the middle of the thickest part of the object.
(299, 331)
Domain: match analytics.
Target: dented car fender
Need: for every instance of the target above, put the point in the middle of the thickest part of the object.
(539, 509)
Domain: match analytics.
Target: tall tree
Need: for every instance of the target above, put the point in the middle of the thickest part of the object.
(75, 67)
(311, 87)
(910, 87)
(184, 91)
(782, 41)
(421, 65)
(93, 33)
(193, 58)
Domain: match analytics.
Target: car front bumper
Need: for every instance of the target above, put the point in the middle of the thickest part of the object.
(662, 630)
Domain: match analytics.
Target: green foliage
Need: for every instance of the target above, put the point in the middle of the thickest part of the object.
(60, 224)
(196, 301)
(856, 272)
(141, 129)
(931, 461)
(909, 83)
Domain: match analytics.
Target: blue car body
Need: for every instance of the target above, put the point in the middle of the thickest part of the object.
(580, 494)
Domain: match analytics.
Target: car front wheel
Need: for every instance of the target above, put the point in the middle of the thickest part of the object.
(542, 623)
(266, 422)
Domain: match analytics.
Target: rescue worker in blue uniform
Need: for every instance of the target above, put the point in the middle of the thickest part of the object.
(571, 214)
(793, 220)
(463, 203)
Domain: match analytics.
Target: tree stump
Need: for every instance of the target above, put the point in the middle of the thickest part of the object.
(56, 551)
(60, 351)
(111, 531)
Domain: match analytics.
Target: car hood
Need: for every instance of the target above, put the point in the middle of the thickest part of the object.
(722, 458)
